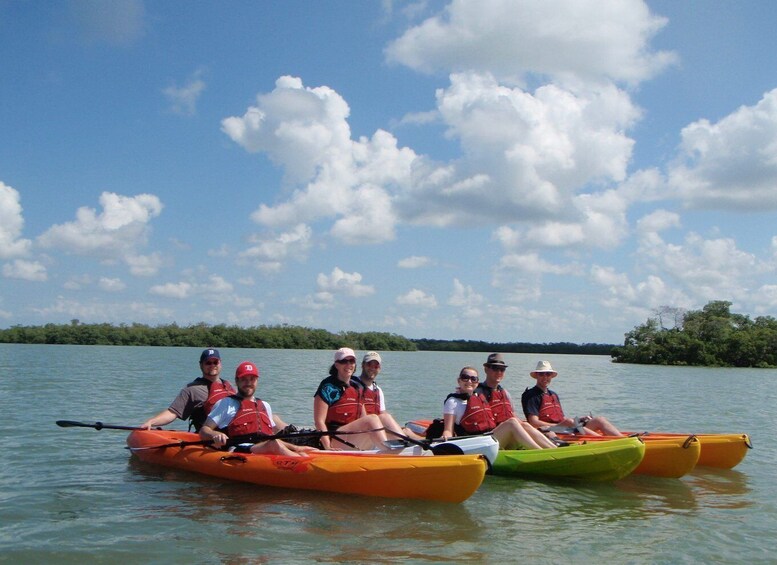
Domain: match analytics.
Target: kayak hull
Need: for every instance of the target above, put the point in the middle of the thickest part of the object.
(724, 451)
(670, 457)
(594, 461)
(450, 478)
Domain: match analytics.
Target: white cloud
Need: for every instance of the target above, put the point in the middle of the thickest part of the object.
(178, 290)
(639, 300)
(144, 265)
(96, 311)
(414, 262)
(305, 131)
(11, 224)
(114, 234)
(268, 252)
(707, 268)
(658, 221)
(589, 39)
(25, 270)
(183, 99)
(416, 297)
(731, 164)
(111, 284)
(340, 282)
(467, 299)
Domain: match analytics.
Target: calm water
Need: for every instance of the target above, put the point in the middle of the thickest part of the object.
(74, 495)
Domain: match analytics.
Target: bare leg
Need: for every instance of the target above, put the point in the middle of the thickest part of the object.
(371, 439)
(511, 433)
(273, 447)
(603, 426)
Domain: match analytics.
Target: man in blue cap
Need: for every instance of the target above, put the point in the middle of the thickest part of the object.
(197, 398)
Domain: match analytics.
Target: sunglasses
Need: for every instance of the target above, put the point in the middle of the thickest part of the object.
(470, 378)
(346, 361)
(497, 368)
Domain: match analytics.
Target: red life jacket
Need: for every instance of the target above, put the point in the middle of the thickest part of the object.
(251, 418)
(346, 409)
(217, 391)
(550, 408)
(370, 396)
(478, 417)
(371, 399)
(501, 406)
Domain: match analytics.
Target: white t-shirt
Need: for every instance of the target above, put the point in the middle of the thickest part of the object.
(226, 409)
(455, 406)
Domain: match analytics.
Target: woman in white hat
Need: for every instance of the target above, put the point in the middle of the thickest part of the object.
(542, 408)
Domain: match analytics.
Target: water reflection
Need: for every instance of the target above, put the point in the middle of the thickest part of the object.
(721, 488)
(249, 517)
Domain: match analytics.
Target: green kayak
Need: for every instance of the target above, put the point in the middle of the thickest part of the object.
(594, 461)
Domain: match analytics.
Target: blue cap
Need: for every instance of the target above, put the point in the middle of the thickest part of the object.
(209, 353)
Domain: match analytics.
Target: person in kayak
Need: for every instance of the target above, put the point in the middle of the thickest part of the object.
(466, 412)
(542, 408)
(242, 414)
(197, 398)
(499, 398)
(372, 396)
(337, 405)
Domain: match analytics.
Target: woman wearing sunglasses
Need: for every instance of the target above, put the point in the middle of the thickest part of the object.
(337, 405)
(468, 413)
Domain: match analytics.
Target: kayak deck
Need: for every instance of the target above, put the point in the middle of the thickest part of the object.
(449, 478)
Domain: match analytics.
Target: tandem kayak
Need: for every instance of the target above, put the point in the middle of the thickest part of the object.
(594, 461)
(670, 457)
(724, 451)
(449, 478)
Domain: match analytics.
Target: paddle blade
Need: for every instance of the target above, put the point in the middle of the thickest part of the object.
(72, 424)
(446, 449)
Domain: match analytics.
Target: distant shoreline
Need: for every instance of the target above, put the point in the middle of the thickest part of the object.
(268, 337)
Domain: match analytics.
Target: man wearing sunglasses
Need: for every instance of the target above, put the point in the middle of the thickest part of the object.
(499, 398)
(190, 404)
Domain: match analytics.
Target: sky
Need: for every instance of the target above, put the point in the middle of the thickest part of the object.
(507, 171)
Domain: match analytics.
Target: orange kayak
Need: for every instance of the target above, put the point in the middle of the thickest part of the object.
(724, 451)
(449, 478)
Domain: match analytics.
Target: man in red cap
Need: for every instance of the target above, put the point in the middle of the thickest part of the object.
(241, 415)
(192, 402)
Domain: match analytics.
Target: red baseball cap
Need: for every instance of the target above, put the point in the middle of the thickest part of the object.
(246, 369)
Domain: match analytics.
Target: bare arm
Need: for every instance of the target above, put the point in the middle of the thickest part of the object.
(449, 421)
(320, 410)
(161, 419)
(208, 431)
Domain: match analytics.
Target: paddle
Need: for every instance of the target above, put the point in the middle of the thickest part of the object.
(443, 448)
(256, 438)
(96, 425)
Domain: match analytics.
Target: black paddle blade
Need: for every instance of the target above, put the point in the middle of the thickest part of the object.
(446, 449)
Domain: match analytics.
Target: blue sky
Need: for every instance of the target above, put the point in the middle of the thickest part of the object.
(504, 171)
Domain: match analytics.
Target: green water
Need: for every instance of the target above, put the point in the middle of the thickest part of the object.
(74, 495)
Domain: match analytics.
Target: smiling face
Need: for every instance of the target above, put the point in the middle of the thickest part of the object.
(544, 378)
(211, 368)
(345, 368)
(371, 369)
(246, 385)
(468, 380)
